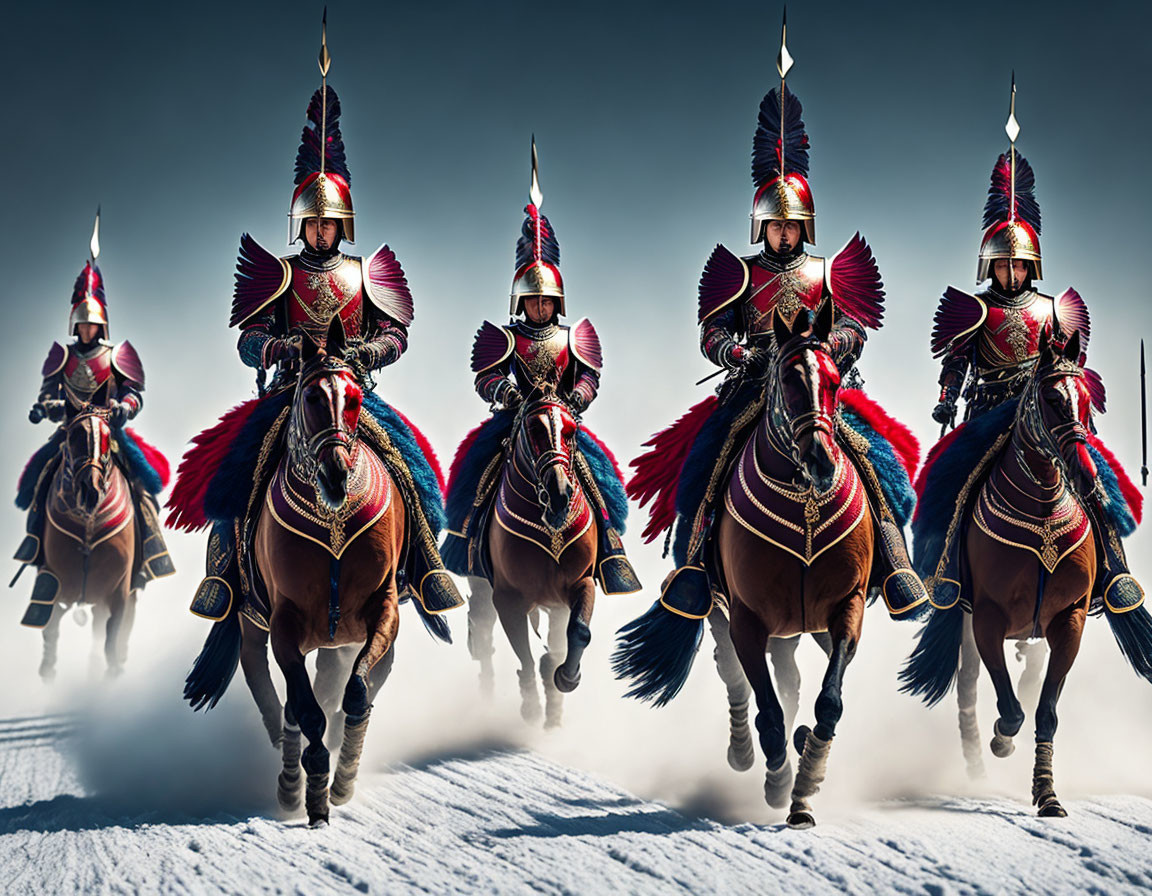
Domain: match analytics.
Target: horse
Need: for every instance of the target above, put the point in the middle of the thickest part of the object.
(328, 545)
(542, 540)
(89, 538)
(800, 565)
(1029, 564)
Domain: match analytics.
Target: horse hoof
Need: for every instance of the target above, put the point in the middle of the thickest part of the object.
(1052, 809)
(801, 821)
(976, 772)
(564, 684)
(531, 712)
(800, 737)
(47, 674)
(317, 822)
(741, 758)
(778, 786)
(1002, 747)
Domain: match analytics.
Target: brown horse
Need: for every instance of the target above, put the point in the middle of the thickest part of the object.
(89, 540)
(1029, 562)
(542, 542)
(328, 544)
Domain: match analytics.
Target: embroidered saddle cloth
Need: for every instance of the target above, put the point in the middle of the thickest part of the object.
(111, 516)
(1050, 538)
(518, 512)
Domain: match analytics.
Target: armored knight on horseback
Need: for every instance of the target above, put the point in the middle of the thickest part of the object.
(988, 343)
(278, 304)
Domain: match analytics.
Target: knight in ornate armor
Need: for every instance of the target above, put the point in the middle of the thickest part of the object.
(686, 470)
(278, 301)
(989, 342)
(533, 355)
(92, 370)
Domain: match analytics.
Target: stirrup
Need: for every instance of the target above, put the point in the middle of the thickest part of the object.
(614, 569)
(905, 594)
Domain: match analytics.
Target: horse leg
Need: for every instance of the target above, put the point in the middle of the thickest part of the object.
(515, 623)
(1063, 635)
(750, 638)
(358, 693)
(550, 662)
(290, 782)
(817, 743)
(51, 636)
(117, 610)
(966, 686)
(990, 626)
(567, 675)
(126, 624)
(740, 752)
(333, 665)
(481, 623)
(782, 653)
(1028, 687)
(286, 636)
(254, 662)
(100, 614)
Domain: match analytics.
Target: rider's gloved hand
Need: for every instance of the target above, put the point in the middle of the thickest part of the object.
(37, 413)
(578, 402)
(118, 413)
(508, 395)
(281, 349)
(945, 410)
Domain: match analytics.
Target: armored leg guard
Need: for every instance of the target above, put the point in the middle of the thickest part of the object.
(31, 548)
(1115, 586)
(155, 561)
(902, 589)
(44, 594)
(221, 583)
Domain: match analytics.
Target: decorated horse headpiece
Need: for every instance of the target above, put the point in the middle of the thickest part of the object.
(305, 438)
(1011, 213)
(537, 253)
(89, 305)
(780, 158)
(323, 183)
(1059, 359)
(809, 331)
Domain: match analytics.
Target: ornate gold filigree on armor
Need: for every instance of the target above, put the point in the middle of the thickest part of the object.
(333, 290)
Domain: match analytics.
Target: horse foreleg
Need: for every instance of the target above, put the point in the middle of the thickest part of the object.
(286, 637)
(117, 613)
(1063, 635)
(254, 662)
(290, 783)
(51, 636)
(514, 620)
(750, 639)
(579, 633)
(358, 694)
(100, 614)
(740, 752)
(333, 666)
(1028, 687)
(966, 686)
(990, 627)
(126, 623)
(558, 618)
(785, 672)
(815, 745)
(481, 624)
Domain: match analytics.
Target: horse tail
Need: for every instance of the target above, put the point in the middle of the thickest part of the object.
(436, 624)
(1133, 632)
(214, 667)
(931, 669)
(656, 652)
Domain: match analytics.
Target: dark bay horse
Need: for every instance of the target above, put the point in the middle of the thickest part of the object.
(328, 545)
(793, 546)
(1029, 564)
(542, 539)
(89, 539)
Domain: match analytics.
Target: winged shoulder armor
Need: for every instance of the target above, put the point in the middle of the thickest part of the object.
(853, 278)
(1072, 314)
(586, 344)
(260, 278)
(724, 280)
(386, 286)
(959, 316)
(491, 346)
(54, 363)
(127, 363)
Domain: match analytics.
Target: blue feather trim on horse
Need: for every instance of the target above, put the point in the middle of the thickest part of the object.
(427, 484)
(890, 470)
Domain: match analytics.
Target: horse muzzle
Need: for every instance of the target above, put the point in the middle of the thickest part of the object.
(335, 461)
(816, 457)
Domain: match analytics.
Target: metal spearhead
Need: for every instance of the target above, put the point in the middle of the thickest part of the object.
(324, 59)
(534, 191)
(1012, 126)
(94, 243)
(784, 58)
(1143, 420)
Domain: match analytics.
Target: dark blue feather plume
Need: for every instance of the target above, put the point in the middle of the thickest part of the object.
(766, 143)
(308, 155)
(526, 245)
(999, 205)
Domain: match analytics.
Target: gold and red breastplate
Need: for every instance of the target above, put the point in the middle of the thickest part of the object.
(798, 286)
(315, 295)
(1010, 334)
(84, 373)
(542, 356)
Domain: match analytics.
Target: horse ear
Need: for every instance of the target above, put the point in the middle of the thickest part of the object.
(825, 314)
(308, 347)
(337, 338)
(1072, 349)
(780, 328)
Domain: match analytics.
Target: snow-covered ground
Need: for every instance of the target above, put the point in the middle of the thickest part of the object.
(499, 820)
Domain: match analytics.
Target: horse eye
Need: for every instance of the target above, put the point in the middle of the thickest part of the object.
(313, 396)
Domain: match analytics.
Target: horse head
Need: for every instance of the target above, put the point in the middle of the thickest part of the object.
(325, 416)
(547, 432)
(806, 382)
(1057, 409)
(88, 450)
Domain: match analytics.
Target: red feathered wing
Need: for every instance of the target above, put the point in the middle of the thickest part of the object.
(1073, 316)
(387, 286)
(725, 277)
(855, 282)
(958, 315)
(906, 446)
(260, 277)
(658, 471)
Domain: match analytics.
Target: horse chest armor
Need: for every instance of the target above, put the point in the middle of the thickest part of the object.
(787, 292)
(800, 521)
(518, 512)
(113, 513)
(1011, 335)
(315, 297)
(1050, 538)
(542, 359)
(84, 374)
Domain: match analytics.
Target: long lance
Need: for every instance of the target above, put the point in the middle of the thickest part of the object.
(1012, 129)
(325, 60)
(1143, 420)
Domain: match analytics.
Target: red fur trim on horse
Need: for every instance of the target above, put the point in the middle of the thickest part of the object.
(425, 448)
(199, 465)
(658, 471)
(156, 460)
(958, 315)
(855, 282)
(906, 445)
(1127, 486)
(458, 460)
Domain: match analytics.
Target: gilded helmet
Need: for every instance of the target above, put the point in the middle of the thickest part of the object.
(1011, 216)
(780, 166)
(537, 254)
(322, 180)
